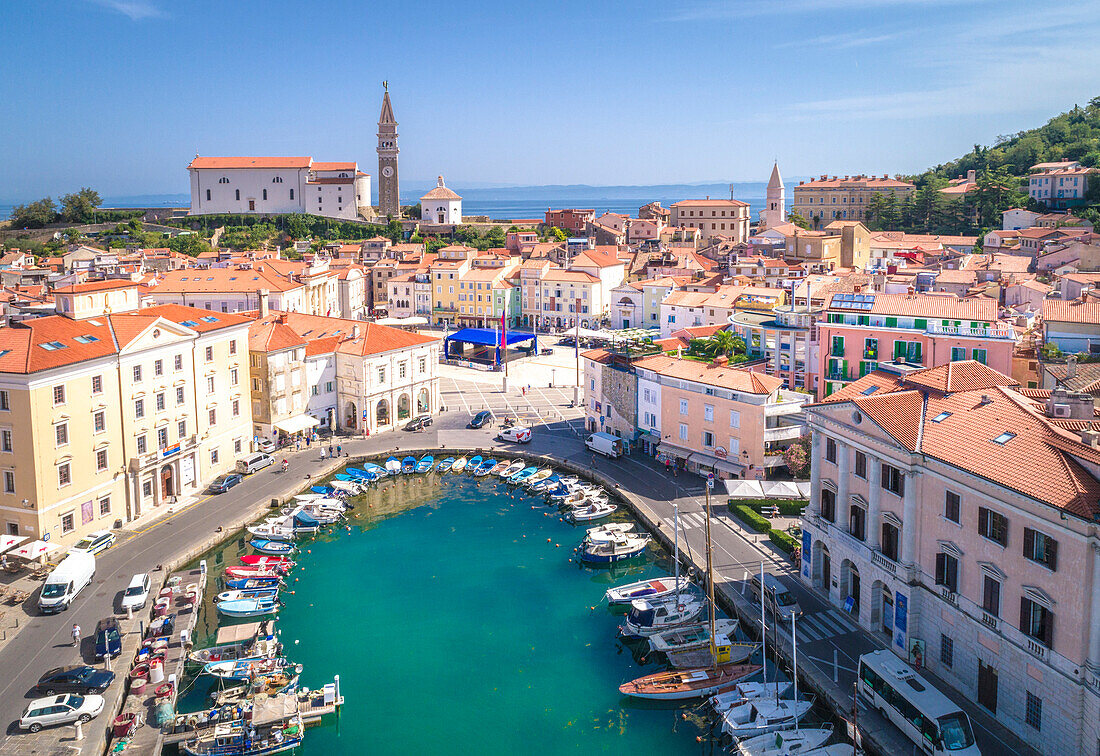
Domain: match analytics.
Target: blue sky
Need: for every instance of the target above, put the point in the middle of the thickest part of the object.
(120, 94)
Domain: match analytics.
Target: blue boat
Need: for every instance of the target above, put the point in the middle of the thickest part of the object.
(368, 476)
(474, 463)
(276, 548)
(425, 463)
(248, 607)
(445, 465)
(484, 468)
(245, 669)
(246, 593)
(304, 522)
(238, 584)
(344, 476)
(523, 474)
(374, 469)
(408, 465)
(548, 484)
(326, 490)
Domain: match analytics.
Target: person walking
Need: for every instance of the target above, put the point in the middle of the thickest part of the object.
(339, 450)
(76, 635)
(322, 452)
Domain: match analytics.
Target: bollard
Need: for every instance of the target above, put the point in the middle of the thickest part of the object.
(79, 735)
(129, 612)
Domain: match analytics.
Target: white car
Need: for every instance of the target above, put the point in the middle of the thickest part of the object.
(95, 542)
(266, 446)
(137, 592)
(63, 709)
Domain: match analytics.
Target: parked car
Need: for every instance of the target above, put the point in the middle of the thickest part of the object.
(418, 423)
(108, 638)
(266, 445)
(137, 592)
(254, 463)
(223, 483)
(95, 542)
(74, 574)
(481, 419)
(546, 350)
(63, 709)
(78, 679)
(516, 434)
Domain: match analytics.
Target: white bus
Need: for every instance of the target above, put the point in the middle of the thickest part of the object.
(915, 707)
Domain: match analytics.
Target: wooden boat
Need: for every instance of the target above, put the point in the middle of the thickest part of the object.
(500, 467)
(248, 607)
(459, 465)
(244, 669)
(266, 546)
(763, 715)
(626, 546)
(264, 560)
(445, 465)
(592, 510)
(695, 635)
(393, 466)
(523, 475)
(425, 463)
(651, 588)
(246, 593)
(245, 571)
(408, 465)
(538, 477)
(238, 584)
(675, 685)
(260, 648)
(513, 468)
(241, 737)
(262, 686)
(485, 468)
(473, 464)
(649, 616)
(786, 742)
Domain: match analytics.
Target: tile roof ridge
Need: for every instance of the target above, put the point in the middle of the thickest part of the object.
(920, 423)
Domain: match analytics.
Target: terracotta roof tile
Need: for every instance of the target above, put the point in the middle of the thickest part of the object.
(1072, 311)
(736, 379)
(250, 162)
(928, 305)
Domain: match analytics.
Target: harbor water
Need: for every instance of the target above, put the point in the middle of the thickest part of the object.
(458, 624)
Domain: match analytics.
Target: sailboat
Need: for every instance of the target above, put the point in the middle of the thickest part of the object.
(695, 635)
(787, 742)
(764, 715)
(651, 588)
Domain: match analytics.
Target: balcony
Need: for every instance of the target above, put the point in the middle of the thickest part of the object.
(837, 351)
(784, 433)
(990, 621)
(837, 375)
(885, 562)
(984, 332)
(1037, 649)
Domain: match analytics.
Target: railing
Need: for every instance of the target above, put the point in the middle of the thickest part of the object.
(985, 332)
(885, 562)
(949, 595)
(1037, 649)
(837, 375)
(783, 434)
(990, 621)
(836, 351)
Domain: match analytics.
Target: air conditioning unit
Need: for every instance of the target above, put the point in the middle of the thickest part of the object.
(1061, 410)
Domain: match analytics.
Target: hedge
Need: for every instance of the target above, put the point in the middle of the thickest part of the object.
(787, 507)
(782, 540)
(754, 520)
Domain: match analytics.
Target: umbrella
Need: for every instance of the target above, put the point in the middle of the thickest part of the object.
(34, 550)
(7, 541)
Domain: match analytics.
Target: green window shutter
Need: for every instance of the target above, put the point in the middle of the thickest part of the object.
(979, 355)
(865, 320)
(899, 350)
(920, 324)
(891, 322)
(844, 372)
(916, 350)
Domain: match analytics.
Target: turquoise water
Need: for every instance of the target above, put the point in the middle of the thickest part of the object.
(458, 624)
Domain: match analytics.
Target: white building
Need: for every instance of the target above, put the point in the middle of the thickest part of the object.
(272, 185)
(774, 211)
(441, 205)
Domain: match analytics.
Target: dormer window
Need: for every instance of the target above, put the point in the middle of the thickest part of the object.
(223, 180)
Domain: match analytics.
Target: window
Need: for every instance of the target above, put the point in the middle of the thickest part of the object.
(683, 406)
(683, 431)
(97, 384)
(1041, 548)
(233, 346)
(207, 195)
(101, 460)
(830, 450)
(181, 426)
(177, 362)
(137, 373)
(64, 475)
(9, 481)
(1033, 711)
(161, 403)
(828, 505)
(5, 441)
(158, 367)
(958, 353)
(991, 596)
(265, 194)
(422, 364)
(329, 387)
(890, 540)
(861, 465)
(947, 650)
(941, 417)
(314, 391)
(893, 480)
(179, 395)
(61, 434)
(401, 370)
(1004, 438)
(105, 506)
(142, 446)
(993, 525)
(979, 355)
(951, 506)
(139, 408)
(147, 489)
(210, 384)
(382, 374)
(947, 571)
(214, 452)
(213, 417)
(209, 353)
(162, 438)
(233, 377)
(237, 446)
(1036, 621)
(99, 421)
(708, 413)
(68, 522)
(237, 194)
(58, 395)
(857, 522)
(735, 419)
(235, 407)
(708, 439)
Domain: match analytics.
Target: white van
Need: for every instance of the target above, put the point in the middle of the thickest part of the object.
(605, 444)
(67, 579)
(776, 596)
(516, 434)
(254, 462)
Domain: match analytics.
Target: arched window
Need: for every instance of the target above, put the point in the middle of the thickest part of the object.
(343, 175)
(292, 194)
(277, 180)
(265, 194)
(223, 180)
(238, 193)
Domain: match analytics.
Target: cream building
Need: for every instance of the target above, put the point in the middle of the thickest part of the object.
(824, 199)
(107, 411)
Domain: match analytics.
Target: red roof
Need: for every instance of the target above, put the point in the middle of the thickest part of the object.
(334, 166)
(86, 288)
(250, 162)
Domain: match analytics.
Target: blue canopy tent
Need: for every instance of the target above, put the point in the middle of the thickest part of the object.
(488, 337)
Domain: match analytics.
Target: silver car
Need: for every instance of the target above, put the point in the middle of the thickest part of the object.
(63, 709)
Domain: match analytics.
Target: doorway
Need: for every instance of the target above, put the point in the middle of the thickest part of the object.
(987, 686)
(167, 482)
(252, 205)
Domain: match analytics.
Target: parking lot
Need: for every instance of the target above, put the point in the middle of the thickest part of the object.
(536, 405)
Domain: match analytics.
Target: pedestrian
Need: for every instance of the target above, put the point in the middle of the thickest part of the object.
(330, 450)
(76, 635)
(297, 444)
(309, 440)
(339, 450)
(322, 452)
(593, 461)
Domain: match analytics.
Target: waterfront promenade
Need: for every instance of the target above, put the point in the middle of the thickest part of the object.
(829, 643)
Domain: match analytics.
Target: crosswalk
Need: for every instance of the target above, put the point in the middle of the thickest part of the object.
(821, 625)
(688, 521)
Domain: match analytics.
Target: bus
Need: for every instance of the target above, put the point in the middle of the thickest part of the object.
(926, 716)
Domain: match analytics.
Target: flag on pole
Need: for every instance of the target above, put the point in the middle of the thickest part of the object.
(503, 331)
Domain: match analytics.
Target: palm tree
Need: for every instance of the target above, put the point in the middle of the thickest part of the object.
(724, 343)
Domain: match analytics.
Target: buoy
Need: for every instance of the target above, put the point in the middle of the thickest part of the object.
(557, 545)
(295, 580)
(643, 662)
(698, 738)
(296, 641)
(684, 716)
(548, 540)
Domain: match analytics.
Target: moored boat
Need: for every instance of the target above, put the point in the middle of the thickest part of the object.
(512, 468)
(254, 582)
(624, 546)
(786, 742)
(459, 465)
(240, 737)
(673, 685)
(248, 607)
(310, 496)
(500, 467)
(651, 588)
(262, 559)
(445, 465)
(266, 546)
(246, 593)
(393, 466)
(260, 648)
(425, 463)
(474, 462)
(750, 691)
(485, 468)
(523, 475)
(695, 635)
(762, 715)
(649, 616)
(243, 669)
(271, 531)
(408, 465)
(538, 477)
(592, 510)
(347, 487)
(242, 571)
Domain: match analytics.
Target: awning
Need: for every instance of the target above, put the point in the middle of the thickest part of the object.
(34, 550)
(744, 489)
(768, 489)
(296, 424)
(10, 541)
(674, 451)
(731, 467)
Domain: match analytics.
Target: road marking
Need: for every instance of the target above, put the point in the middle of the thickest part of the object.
(167, 517)
(461, 396)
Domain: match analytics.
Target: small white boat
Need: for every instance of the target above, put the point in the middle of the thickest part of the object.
(538, 477)
(271, 531)
(785, 742)
(592, 510)
(571, 499)
(763, 715)
(309, 497)
(651, 588)
(696, 635)
(459, 465)
(570, 481)
(512, 469)
(610, 530)
(750, 691)
(647, 617)
(346, 486)
(500, 467)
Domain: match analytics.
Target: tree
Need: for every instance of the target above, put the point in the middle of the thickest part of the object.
(994, 194)
(37, 214)
(191, 245)
(724, 343)
(928, 204)
(798, 219)
(395, 231)
(413, 211)
(797, 457)
(558, 234)
(80, 207)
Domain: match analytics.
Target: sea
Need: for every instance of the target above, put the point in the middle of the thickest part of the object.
(460, 622)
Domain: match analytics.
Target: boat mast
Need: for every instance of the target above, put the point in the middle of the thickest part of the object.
(794, 669)
(676, 549)
(763, 625)
(710, 582)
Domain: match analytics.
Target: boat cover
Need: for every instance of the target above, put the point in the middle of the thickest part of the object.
(305, 520)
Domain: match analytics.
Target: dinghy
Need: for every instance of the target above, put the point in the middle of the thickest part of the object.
(750, 691)
(786, 742)
(408, 465)
(764, 715)
(675, 685)
(538, 477)
(459, 465)
(238, 584)
(500, 467)
(513, 468)
(259, 648)
(649, 616)
(626, 546)
(651, 588)
(695, 635)
(254, 571)
(523, 475)
(445, 465)
(244, 669)
(485, 468)
(246, 593)
(425, 463)
(248, 607)
(393, 466)
(265, 546)
(267, 560)
(473, 464)
(592, 510)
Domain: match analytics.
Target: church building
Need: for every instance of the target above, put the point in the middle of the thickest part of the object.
(774, 211)
(441, 205)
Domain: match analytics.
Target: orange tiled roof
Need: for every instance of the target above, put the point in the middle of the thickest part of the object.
(372, 339)
(334, 166)
(85, 288)
(1072, 311)
(250, 162)
(736, 379)
(928, 305)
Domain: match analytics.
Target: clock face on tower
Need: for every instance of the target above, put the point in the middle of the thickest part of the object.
(387, 171)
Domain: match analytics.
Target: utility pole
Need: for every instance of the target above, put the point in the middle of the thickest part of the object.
(577, 351)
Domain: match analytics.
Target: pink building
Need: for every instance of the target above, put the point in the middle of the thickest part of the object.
(953, 512)
(860, 331)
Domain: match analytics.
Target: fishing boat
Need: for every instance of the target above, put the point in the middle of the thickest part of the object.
(248, 607)
(651, 588)
(473, 464)
(248, 571)
(610, 530)
(786, 742)
(393, 466)
(445, 465)
(678, 684)
(459, 465)
(500, 467)
(259, 687)
(622, 547)
(347, 487)
(243, 669)
(241, 737)
(587, 511)
(267, 560)
(265, 546)
(695, 635)
(408, 465)
(485, 468)
(425, 463)
(538, 477)
(246, 593)
(512, 468)
(763, 715)
(246, 583)
(750, 691)
(523, 475)
(271, 532)
(649, 616)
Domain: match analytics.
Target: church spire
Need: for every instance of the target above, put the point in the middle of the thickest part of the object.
(776, 181)
(389, 193)
(387, 109)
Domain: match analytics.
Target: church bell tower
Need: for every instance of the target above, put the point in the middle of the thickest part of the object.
(389, 197)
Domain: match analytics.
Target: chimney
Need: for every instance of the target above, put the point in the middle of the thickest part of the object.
(680, 352)
(720, 361)
(971, 175)
(1071, 367)
(355, 331)
(1089, 437)
(264, 294)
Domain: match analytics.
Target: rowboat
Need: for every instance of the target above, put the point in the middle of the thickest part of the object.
(473, 464)
(485, 468)
(267, 560)
(695, 635)
(675, 685)
(651, 588)
(523, 475)
(512, 468)
(260, 648)
(248, 607)
(243, 669)
(408, 465)
(538, 477)
(364, 475)
(787, 742)
(459, 465)
(647, 616)
(592, 510)
(445, 465)
(500, 467)
(393, 467)
(626, 546)
(254, 571)
(265, 546)
(246, 583)
(425, 463)
(246, 593)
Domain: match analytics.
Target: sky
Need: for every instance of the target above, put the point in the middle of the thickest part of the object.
(121, 94)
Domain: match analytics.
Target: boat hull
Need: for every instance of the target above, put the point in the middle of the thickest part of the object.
(697, 683)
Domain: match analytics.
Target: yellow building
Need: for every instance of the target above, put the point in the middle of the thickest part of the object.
(825, 199)
(107, 411)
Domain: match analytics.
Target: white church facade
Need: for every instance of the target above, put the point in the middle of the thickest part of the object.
(441, 205)
(272, 185)
(775, 209)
